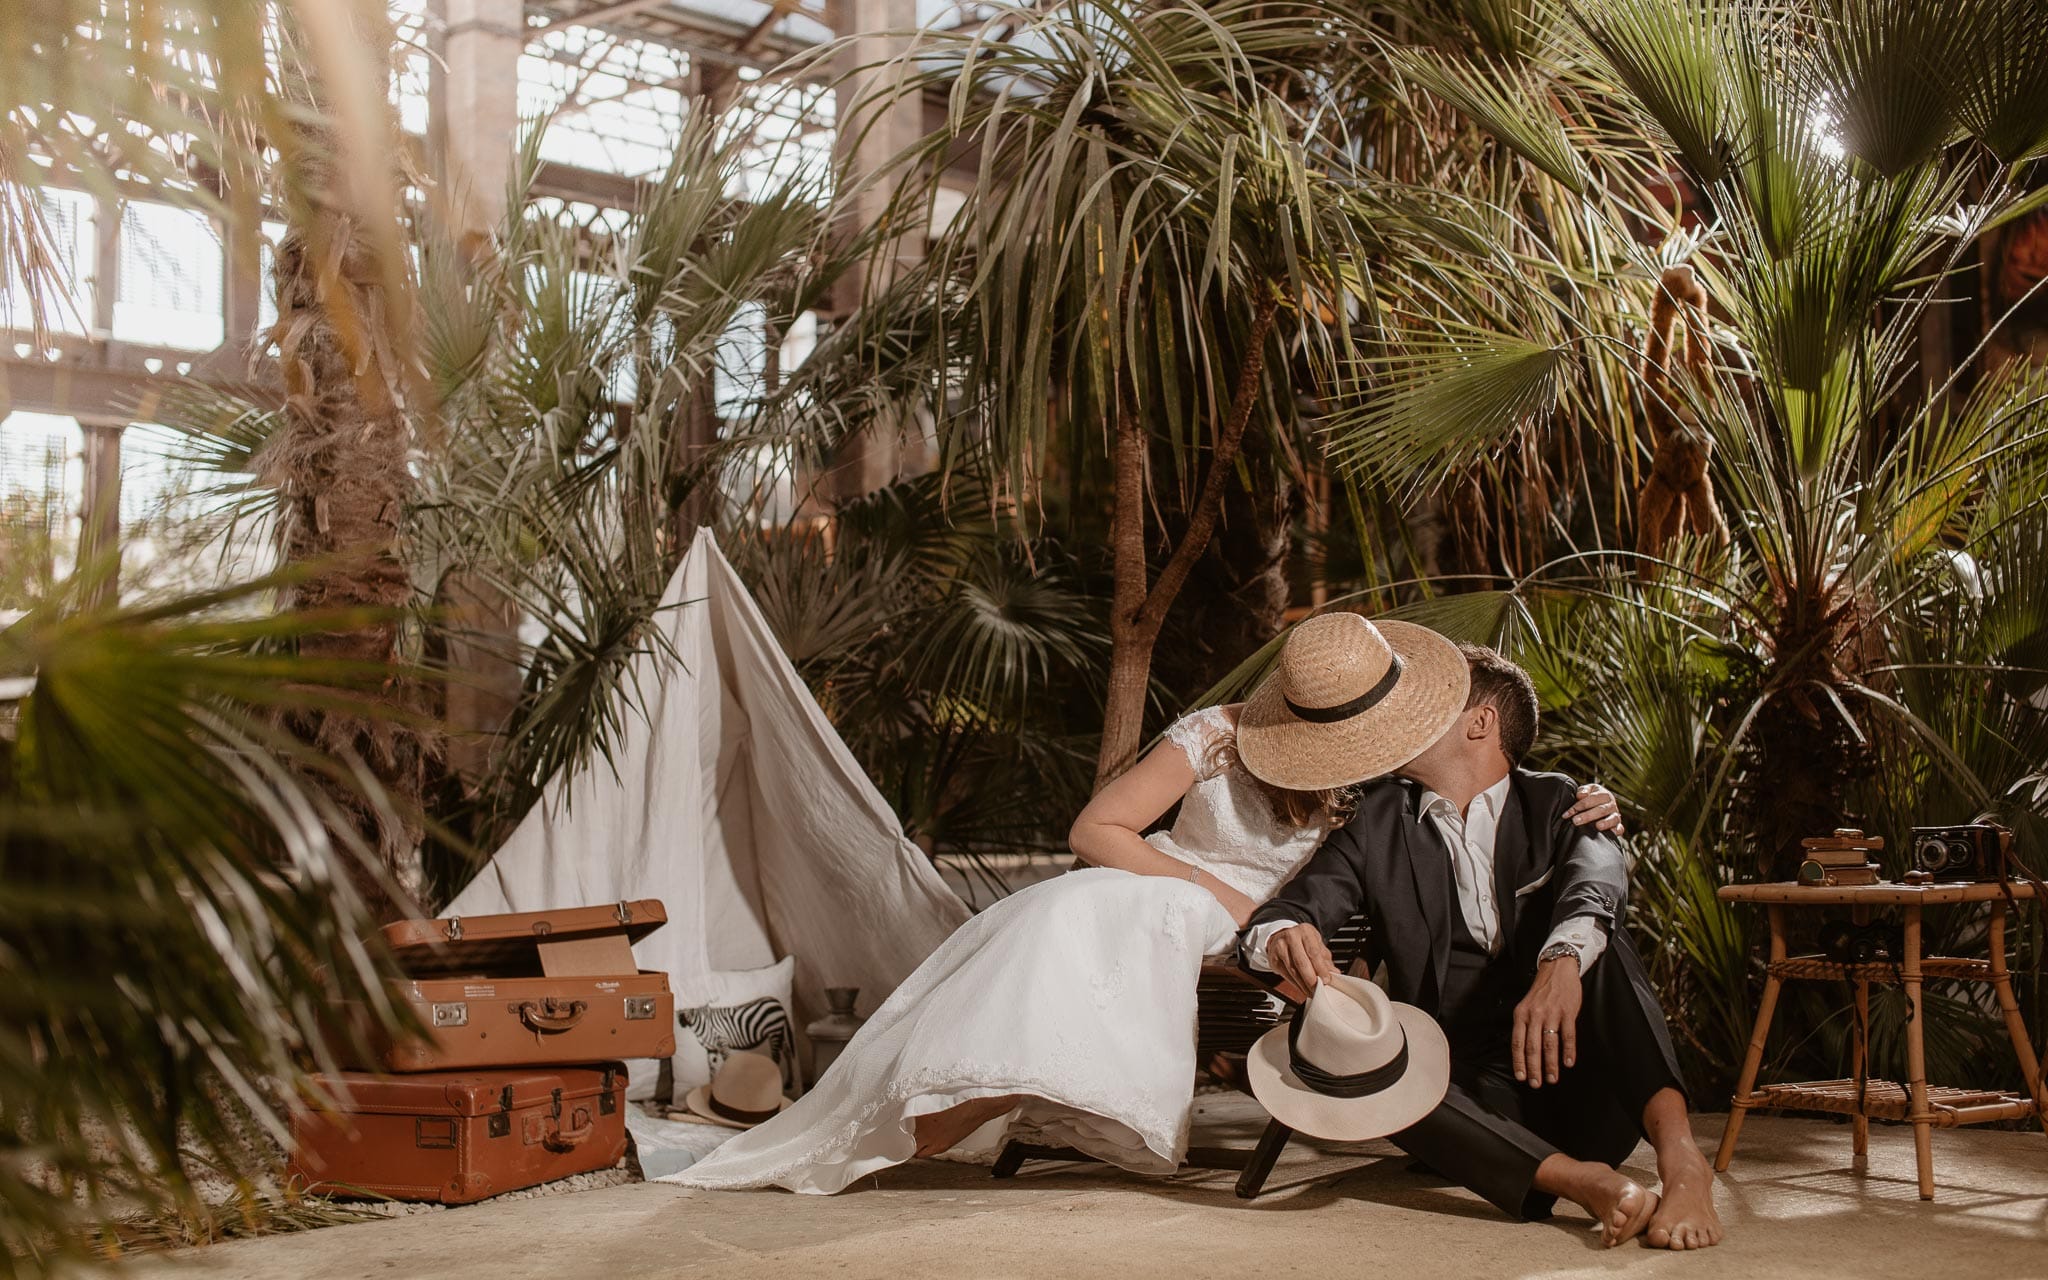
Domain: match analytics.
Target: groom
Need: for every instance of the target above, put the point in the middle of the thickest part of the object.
(1500, 919)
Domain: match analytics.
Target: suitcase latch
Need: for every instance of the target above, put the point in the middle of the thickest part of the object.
(454, 1013)
(556, 1097)
(454, 928)
(625, 914)
(607, 1101)
(639, 1008)
(500, 1125)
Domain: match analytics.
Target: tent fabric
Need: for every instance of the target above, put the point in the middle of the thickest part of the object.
(731, 798)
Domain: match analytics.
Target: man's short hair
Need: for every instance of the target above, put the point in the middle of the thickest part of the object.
(1511, 693)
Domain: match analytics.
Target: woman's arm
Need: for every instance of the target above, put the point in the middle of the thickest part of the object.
(1107, 832)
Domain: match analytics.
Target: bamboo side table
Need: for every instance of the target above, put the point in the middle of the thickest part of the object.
(1926, 1107)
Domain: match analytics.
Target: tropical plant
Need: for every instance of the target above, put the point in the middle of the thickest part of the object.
(960, 661)
(1163, 221)
(176, 904)
(1862, 653)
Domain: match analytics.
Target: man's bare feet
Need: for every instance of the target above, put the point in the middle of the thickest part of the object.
(1620, 1205)
(940, 1131)
(1685, 1217)
(1617, 1202)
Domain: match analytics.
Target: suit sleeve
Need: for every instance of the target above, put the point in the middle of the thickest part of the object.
(1327, 892)
(1592, 876)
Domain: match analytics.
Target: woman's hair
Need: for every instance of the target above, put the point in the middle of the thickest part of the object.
(1329, 806)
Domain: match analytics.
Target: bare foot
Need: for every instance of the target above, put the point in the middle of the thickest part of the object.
(1619, 1204)
(941, 1131)
(1685, 1217)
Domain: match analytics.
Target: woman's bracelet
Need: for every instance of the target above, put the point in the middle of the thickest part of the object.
(1194, 875)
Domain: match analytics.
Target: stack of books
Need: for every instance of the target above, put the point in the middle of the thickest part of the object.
(1839, 859)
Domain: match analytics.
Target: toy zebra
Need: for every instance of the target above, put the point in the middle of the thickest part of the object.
(759, 1024)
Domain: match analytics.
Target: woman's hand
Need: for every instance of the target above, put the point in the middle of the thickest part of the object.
(1238, 905)
(1597, 805)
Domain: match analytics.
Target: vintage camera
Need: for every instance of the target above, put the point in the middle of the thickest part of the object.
(1976, 851)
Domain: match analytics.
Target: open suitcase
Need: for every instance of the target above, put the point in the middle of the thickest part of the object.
(455, 1137)
(528, 988)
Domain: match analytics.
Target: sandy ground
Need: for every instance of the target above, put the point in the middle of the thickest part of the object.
(1794, 1208)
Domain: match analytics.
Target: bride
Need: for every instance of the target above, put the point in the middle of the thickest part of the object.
(1070, 1005)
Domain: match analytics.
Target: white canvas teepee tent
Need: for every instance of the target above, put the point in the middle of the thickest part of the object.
(734, 801)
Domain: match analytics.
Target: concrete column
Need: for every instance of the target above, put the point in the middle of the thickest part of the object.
(473, 106)
(99, 513)
(472, 140)
(870, 137)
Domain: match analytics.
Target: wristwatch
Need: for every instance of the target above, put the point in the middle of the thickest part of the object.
(1559, 950)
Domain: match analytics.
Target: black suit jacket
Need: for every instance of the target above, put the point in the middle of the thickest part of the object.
(1391, 864)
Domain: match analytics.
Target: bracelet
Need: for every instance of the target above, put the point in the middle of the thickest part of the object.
(1194, 875)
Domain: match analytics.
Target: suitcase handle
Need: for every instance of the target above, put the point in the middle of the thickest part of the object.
(550, 1017)
(570, 1139)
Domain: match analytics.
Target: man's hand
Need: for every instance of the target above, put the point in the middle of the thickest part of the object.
(1546, 1023)
(1300, 956)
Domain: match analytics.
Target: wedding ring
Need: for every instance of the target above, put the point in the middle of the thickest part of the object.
(1549, 1031)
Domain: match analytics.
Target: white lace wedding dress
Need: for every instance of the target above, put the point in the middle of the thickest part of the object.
(1078, 991)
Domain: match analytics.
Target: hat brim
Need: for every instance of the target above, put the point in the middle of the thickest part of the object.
(1376, 1115)
(1282, 749)
(698, 1103)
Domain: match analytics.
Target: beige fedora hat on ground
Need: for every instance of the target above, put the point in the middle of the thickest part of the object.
(745, 1090)
(1350, 700)
(1351, 1064)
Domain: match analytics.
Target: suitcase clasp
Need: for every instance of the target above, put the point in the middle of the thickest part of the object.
(454, 1013)
(500, 1125)
(454, 928)
(639, 1008)
(625, 914)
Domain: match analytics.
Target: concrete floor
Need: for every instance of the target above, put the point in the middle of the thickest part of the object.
(1793, 1207)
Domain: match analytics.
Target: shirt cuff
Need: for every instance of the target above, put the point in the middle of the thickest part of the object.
(1253, 945)
(1585, 934)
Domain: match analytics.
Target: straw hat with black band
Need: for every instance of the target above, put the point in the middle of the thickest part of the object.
(1351, 699)
(745, 1090)
(1351, 1065)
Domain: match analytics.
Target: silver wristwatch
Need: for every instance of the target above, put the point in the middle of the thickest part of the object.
(1559, 950)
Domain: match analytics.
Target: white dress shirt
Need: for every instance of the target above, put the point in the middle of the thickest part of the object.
(1470, 837)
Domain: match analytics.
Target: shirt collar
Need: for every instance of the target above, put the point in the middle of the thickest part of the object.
(1493, 798)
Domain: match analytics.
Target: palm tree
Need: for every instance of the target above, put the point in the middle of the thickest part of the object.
(1163, 223)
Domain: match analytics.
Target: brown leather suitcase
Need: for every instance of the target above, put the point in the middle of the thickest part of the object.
(526, 988)
(456, 1136)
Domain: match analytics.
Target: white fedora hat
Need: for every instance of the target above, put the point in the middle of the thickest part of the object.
(1351, 1065)
(745, 1090)
(1350, 700)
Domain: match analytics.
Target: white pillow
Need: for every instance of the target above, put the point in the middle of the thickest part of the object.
(729, 989)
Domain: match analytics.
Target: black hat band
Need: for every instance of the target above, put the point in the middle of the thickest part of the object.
(1357, 1085)
(1345, 710)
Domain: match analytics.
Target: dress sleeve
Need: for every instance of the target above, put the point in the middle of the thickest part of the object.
(1197, 734)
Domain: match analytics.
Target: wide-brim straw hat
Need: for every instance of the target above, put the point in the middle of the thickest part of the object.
(745, 1090)
(1351, 1065)
(1350, 700)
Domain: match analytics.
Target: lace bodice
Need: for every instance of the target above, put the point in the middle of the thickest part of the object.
(1226, 825)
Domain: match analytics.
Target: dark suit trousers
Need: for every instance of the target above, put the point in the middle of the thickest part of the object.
(1491, 1132)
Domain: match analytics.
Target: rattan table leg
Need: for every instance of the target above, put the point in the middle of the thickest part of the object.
(1916, 1055)
(1860, 1058)
(1738, 1107)
(2015, 1025)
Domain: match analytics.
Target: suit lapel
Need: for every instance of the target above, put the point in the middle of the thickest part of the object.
(1511, 859)
(1429, 862)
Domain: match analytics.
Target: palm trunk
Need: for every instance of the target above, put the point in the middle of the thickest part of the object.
(1137, 611)
(340, 465)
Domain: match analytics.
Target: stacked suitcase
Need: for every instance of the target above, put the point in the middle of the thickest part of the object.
(519, 1079)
